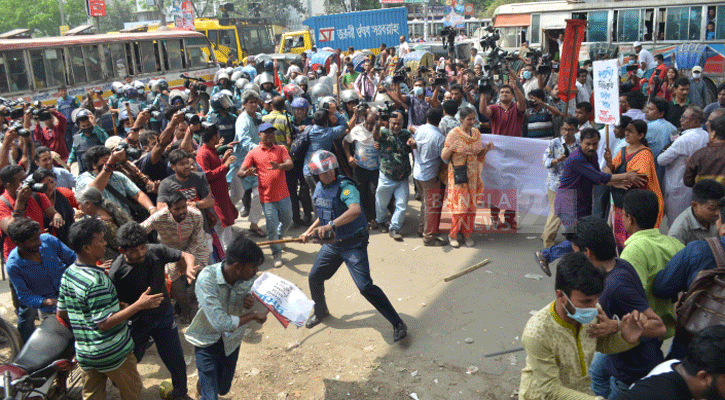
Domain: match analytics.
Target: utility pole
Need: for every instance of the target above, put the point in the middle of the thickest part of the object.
(60, 7)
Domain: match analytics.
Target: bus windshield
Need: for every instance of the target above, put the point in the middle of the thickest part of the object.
(255, 39)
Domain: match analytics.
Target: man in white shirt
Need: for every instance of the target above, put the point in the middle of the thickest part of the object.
(582, 95)
(404, 49)
(677, 195)
(645, 59)
(476, 59)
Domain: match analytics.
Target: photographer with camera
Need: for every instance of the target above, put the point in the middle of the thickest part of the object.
(367, 81)
(114, 185)
(24, 198)
(88, 103)
(49, 129)
(539, 116)
(417, 104)
(88, 135)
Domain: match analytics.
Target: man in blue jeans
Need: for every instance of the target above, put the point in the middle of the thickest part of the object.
(394, 171)
(218, 327)
(342, 226)
(35, 268)
(141, 266)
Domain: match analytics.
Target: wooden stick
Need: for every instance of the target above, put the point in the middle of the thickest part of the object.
(467, 270)
(280, 241)
(500, 353)
(606, 134)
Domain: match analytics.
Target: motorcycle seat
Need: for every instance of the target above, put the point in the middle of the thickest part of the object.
(51, 341)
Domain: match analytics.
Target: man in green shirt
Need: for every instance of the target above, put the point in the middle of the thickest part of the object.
(647, 249)
(88, 303)
(349, 77)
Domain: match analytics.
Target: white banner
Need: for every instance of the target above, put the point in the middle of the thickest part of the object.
(285, 300)
(516, 163)
(606, 92)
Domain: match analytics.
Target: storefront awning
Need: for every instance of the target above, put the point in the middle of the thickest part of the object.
(503, 21)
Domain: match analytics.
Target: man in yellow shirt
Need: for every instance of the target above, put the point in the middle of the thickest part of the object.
(559, 340)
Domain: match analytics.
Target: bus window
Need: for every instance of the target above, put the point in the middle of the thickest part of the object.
(116, 61)
(720, 22)
(93, 63)
(683, 23)
(3, 75)
(55, 67)
(148, 58)
(194, 52)
(227, 37)
(36, 61)
(628, 29)
(510, 37)
(17, 70)
(212, 35)
(535, 30)
(172, 55)
(597, 26)
(77, 65)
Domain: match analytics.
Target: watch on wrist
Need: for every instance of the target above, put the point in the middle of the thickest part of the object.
(332, 224)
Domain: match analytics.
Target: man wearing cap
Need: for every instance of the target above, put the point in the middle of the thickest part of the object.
(645, 59)
(266, 100)
(698, 95)
(342, 226)
(268, 162)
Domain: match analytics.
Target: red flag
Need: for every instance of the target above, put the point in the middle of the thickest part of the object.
(277, 82)
(569, 55)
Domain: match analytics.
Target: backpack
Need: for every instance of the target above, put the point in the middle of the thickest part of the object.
(299, 146)
(703, 304)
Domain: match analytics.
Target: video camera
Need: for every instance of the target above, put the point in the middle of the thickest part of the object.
(19, 128)
(441, 79)
(14, 109)
(485, 86)
(154, 111)
(448, 35)
(131, 152)
(490, 41)
(39, 111)
(385, 111)
(193, 83)
(400, 74)
(34, 186)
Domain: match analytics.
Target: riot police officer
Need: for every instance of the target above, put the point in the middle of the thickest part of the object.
(342, 227)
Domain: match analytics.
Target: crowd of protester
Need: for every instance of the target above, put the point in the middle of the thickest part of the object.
(107, 226)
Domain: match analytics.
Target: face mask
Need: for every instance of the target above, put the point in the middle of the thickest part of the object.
(418, 90)
(527, 74)
(127, 129)
(696, 75)
(581, 315)
(87, 131)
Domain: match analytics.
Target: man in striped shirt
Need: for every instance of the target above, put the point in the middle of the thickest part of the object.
(88, 303)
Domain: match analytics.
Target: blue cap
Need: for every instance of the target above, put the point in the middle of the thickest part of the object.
(266, 97)
(265, 126)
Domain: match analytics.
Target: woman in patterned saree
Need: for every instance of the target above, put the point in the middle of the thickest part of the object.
(465, 154)
(637, 157)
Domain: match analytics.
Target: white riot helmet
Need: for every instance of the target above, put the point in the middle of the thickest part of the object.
(252, 86)
(236, 75)
(321, 162)
(140, 87)
(265, 77)
(221, 76)
(241, 83)
(319, 91)
(325, 102)
(302, 80)
(116, 86)
(349, 95)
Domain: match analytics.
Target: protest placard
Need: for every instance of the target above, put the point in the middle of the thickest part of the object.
(606, 92)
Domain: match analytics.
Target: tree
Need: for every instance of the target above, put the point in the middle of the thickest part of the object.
(340, 6)
(495, 4)
(42, 17)
(117, 12)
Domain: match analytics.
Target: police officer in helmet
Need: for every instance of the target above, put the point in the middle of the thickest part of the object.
(342, 227)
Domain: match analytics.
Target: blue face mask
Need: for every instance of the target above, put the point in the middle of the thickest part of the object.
(581, 315)
(418, 90)
(127, 129)
(527, 74)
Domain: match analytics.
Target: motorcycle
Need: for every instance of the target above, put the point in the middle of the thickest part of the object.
(45, 368)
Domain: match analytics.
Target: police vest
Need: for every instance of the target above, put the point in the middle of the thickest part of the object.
(225, 124)
(65, 106)
(82, 143)
(328, 206)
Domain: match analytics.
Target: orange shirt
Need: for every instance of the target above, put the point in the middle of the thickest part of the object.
(272, 182)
